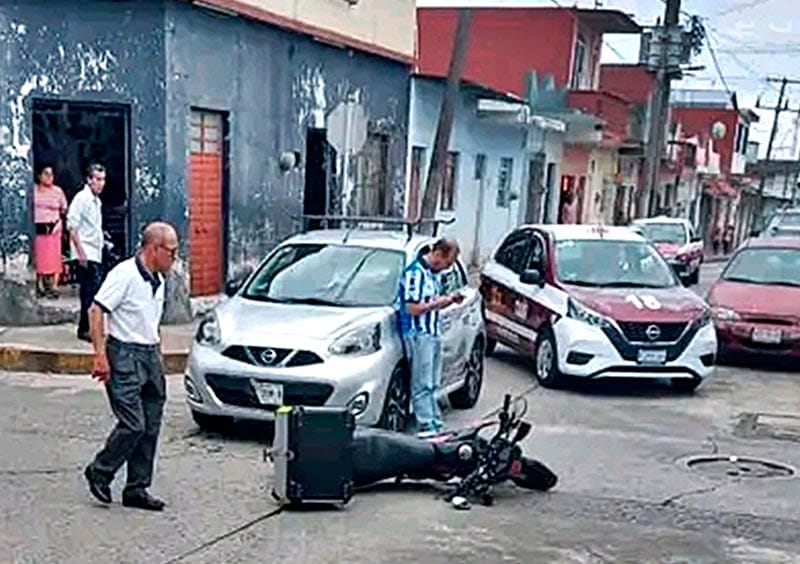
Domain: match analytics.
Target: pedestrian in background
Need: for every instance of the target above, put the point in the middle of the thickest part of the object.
(128, 361)
(49, 209)
(421, 300)
(85, 224)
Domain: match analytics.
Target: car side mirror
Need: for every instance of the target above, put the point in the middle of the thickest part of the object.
(532, 276)
(697, 239)
(232, 286)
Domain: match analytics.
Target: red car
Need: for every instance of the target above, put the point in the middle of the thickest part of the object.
(756, 300)
(676, 240)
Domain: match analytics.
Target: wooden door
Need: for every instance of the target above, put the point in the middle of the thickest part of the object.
(205, 204)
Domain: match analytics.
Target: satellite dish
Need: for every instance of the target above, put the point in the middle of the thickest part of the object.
(718, 130)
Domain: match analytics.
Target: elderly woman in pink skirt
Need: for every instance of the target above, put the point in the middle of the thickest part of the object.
(49, 208)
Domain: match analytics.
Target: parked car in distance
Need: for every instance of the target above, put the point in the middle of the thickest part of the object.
(595, 302)
(676, 240)
(784, 222)
(315, 324)
(756, 300)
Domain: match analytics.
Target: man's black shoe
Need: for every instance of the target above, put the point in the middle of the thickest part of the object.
(143, 501)
(99, 490)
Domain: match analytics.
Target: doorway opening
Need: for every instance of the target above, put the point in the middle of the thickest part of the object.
(69, 136)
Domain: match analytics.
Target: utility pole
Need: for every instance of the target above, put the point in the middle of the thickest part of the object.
(781, 106)
(666, 70)
(433, 185)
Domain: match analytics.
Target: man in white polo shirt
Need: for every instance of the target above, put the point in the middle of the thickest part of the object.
(85, 224)
(129, 362)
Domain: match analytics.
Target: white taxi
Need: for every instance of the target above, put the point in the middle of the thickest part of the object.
(595, 302)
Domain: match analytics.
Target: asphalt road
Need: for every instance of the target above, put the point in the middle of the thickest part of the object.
(625, 492)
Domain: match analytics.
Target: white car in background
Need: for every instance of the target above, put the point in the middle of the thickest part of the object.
(315, 324)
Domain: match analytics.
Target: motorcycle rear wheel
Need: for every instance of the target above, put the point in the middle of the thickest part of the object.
(535, 476)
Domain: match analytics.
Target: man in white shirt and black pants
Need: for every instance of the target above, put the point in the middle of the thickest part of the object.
(129, 362)
(85, 224)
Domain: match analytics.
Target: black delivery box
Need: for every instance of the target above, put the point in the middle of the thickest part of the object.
(312, 455)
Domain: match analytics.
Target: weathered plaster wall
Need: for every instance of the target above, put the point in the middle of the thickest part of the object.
(471, 136)
(274, 84)
(89, 51)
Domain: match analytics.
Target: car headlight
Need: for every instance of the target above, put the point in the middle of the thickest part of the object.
(577, 310)
(208, 332)
(360, 341)
(724, 314)
(705, 318)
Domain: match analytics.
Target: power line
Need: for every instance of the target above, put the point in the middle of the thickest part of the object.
(716, 63)
(615, 50)
(754, 73)
(741, 6)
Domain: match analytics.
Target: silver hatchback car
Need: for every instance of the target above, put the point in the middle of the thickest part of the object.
(315, 324)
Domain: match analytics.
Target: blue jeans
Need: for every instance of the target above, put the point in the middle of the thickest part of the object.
(425, 357)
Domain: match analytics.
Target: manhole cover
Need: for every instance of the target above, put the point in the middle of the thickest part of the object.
(739, 467)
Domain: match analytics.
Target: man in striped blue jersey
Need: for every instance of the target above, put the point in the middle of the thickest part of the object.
(421, 300)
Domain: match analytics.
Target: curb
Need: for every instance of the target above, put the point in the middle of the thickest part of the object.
(25, 359)
(713, 260)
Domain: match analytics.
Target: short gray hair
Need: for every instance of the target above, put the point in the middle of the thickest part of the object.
(446, 245)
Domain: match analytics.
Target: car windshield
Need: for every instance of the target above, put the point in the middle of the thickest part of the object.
(612, 264)
(328, 274)
(672, 233)
(774, 266)
(787, 219)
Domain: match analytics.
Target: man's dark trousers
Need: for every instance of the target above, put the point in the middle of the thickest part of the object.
(90, 276)
(136, 392)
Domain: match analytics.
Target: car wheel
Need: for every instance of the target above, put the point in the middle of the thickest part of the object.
(685, 385)
(395, 414)
(546, 360)
(213, 423)
(467, 396)
(491, 345)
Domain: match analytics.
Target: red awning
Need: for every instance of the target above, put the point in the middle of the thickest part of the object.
(721, 187)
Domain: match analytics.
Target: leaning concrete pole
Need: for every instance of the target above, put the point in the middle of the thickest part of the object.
(433, 185)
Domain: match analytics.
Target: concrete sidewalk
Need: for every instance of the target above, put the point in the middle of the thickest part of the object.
(56, 349)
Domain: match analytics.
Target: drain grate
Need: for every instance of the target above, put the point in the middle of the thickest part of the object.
(768, 426)
(739, 467)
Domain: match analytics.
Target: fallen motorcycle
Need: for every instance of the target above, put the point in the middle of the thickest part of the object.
(473, 463)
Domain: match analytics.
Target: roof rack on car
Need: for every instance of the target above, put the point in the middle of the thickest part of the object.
(354, 221)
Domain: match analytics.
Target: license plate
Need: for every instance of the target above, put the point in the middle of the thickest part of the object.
(268, 393)
(769, 336)
(651, 357)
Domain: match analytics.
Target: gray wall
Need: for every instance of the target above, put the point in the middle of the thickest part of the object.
(270, 81)
(90, 51)
(163, 58)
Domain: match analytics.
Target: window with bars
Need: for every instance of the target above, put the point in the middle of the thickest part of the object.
(504, 182)
(206, 133)
(448, 198)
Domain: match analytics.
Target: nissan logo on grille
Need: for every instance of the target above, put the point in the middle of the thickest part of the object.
(268, 356)
(652, 332)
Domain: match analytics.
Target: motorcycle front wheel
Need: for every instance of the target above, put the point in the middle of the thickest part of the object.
(534, 475)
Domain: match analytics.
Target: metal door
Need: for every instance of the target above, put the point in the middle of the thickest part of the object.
(205, 203)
